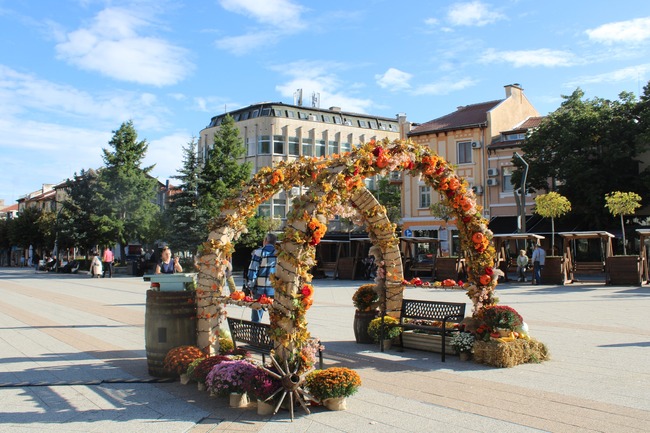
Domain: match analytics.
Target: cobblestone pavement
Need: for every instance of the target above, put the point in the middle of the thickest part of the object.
(72, 359)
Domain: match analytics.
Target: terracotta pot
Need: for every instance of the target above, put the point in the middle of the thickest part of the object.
(464, 356)
(361, 321)
(336, 403)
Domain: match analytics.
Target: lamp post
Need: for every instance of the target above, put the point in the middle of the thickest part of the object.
(522, 190)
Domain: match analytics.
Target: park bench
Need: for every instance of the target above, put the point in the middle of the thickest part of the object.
(255, 337)
(431, 317)
(589, 267)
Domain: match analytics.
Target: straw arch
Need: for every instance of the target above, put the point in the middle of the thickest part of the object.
(336, 186)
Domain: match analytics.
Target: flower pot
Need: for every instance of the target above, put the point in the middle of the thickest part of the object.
(386, 344)
(200, 386)
(185, 379)
(264, 408)
(361, 321)
(336, 403)
(238, 400)
(464, 356)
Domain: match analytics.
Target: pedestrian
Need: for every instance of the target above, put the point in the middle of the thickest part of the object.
(95, 266)
(522, 263)
(108, 262)
(262, 266)
(167, 265)
(539, 258)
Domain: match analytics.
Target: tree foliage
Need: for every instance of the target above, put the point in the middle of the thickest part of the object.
(126, 192)
(222, 173)
(389, 195)
(620, 204)
(585, 149)
(185, 220)
(552, 205)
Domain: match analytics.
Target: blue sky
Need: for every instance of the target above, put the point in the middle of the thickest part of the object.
(72, 71)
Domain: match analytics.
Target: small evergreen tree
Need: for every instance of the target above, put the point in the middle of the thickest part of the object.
(622, 203)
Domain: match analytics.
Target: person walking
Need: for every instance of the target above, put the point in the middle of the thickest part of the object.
(522, 262)
(539, 258)
(108, 262)
(262, 266)
(95, 266)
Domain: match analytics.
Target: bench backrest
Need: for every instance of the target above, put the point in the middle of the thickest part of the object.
(254, 333)
(432, 310)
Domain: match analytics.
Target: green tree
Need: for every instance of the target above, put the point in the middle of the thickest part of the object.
(185, 220)
(25, 230)
(622, 203)
(222, 173)
(389, 195)
(585, 149)
(126, 191)
(552, 205)
(258, 226)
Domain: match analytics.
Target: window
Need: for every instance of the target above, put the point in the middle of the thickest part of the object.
(277, 112)
(250, 147)
(279, 208)
(302, 116)
(337, 120)
(294, 146)
(320, 148)
(363, 124)
(307, 147)
(372, 124)
(278, 144)
(266, 112)
(327, 119)
(345, 147)
(506, 175)
(264, 144)
(235, 117)
(511, 137)
(244, 115)
(255, 114)
(332, 147)
(464, 152)
(425, 196)
(291, 114)
(264, 209)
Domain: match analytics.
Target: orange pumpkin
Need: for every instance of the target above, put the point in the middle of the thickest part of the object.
(237, 295)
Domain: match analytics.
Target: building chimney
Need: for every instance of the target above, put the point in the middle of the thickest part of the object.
(513, 89)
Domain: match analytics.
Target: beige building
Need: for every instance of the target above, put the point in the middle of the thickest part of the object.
(467, 139)
(275, 131)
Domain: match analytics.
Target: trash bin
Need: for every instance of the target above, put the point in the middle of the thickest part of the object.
(133, 268)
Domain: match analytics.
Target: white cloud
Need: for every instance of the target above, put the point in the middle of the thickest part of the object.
(167, 154)
(282, 14)
(444, 86)
(277, 17)
(631, 73)
(631, 31)
(394, 80)
(431, 21)
(473, 13)
(112, 46)
(318, 77)
(541, 57)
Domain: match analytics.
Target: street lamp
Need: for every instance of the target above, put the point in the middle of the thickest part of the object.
(521, 204)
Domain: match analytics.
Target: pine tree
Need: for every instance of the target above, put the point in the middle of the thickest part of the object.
(185, 220)
(126, 191)
(222, 173)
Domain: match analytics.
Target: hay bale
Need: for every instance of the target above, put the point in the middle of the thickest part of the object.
(509, 353)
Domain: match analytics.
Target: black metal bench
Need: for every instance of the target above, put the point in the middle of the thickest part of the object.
(414, 311)
(255, 337)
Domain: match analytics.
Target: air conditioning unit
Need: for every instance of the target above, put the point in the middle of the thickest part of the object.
(295, 190)
(476, 144)
(492, 182)
(477, 189)
(492, 172)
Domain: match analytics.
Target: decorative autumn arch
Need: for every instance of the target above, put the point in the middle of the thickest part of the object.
(336, 187)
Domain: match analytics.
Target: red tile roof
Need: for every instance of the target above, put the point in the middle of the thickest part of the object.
(531, 122)
(463, 117)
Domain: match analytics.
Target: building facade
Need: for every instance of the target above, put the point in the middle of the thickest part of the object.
(274, 132)
(467, 138)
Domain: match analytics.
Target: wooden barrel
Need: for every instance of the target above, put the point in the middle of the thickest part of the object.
(169, 321)
(361, 321)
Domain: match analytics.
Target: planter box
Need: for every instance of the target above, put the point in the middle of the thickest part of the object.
(428, 342)
(171, 282)
(624, 270)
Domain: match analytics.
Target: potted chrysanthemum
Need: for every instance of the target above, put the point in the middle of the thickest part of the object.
(386, 335)
(463, 342)
(179, 358)
(365, 301)
(228, 378)
(332, 386)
